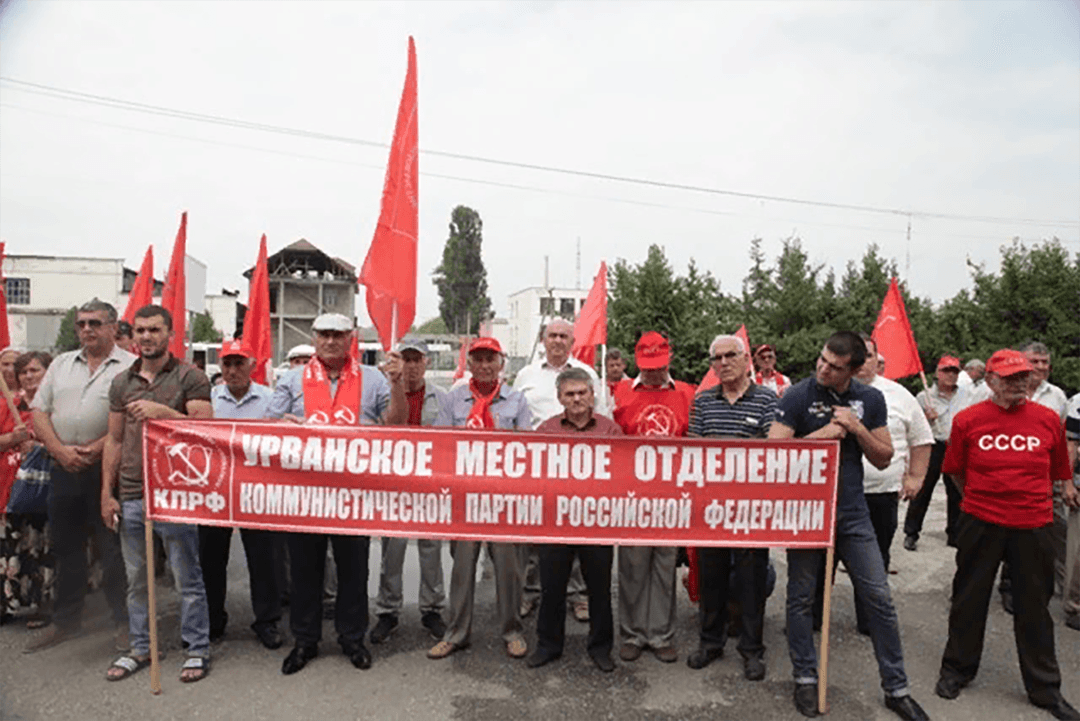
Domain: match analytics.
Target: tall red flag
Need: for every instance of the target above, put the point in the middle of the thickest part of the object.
(5, 334)
(893, 337)
(257, 319)
(711, 379)
(590, 330)
(389, 270)
(174, 294)
(142, 293)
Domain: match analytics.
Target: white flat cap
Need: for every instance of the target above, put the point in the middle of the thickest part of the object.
(332, 321)
(300, 351)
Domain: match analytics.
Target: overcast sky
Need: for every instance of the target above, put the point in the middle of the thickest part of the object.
(969, 109)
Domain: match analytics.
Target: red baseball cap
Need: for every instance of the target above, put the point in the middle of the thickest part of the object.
(652, 351)
(234, 347)
(947, 361)
(1007, 362)
(764, 346)
(485, 344)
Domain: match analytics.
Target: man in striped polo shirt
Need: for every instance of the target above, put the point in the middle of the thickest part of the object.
(736, 408)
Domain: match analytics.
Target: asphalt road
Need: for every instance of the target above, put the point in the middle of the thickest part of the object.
(482, 683)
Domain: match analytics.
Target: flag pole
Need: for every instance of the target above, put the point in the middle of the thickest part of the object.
(823, 684)
(393, 325)
(151, 595)
(603, 376)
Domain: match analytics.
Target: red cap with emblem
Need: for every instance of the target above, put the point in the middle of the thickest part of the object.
(234, 347)
(1007, 362)
(652, 351)
(486, 344)
(948, 361)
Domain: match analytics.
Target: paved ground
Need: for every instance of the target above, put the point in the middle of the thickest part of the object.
(482, 683)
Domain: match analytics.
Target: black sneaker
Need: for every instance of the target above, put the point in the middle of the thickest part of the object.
(948, 688)
(806, 698)
(387, 624)
(1062, 710)
(433, 622)
(911, 542)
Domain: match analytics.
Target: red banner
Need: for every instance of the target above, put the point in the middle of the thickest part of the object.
(491, 485)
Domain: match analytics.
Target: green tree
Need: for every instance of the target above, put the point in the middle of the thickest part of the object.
(461, 277)
(689, 310)
(67, 339)
(435, 325)
(203, 330)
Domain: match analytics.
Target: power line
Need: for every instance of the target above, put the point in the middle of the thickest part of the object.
(132, 106)
(476, 181)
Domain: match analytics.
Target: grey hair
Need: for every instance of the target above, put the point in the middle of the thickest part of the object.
(719, 338)
(558, 321)
(974, 365)
(572, 374)
(99, 306)
(1034, 346)
(614, 353)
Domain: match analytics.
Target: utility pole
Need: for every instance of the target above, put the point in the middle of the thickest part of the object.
(578, 285)
(907, 264)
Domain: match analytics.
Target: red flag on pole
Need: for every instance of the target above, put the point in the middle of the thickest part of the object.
(174, 294)
(590, 330)
(5, 333)
(711, 379)
(893, 337)
(142, 293)
(257, 320)
(389, 270)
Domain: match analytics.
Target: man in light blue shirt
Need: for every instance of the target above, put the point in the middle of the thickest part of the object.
(240, 399)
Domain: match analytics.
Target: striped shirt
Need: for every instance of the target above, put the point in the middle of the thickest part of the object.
(750, 416)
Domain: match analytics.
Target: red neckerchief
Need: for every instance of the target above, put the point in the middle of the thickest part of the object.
(777, 378)
(343, 409)
(480, 413)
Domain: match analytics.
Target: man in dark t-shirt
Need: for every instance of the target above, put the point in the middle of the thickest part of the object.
(833, 405)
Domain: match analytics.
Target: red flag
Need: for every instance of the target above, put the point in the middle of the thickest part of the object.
(257, 320)
(5, 334)
(590, 330)
(893, 337)
(174, 294)
(711, 379)
(142, 293)
(459, 372)
(389, 270)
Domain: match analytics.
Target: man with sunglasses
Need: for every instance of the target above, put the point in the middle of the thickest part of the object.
(833, 405)
(71, 417)
(736, 408)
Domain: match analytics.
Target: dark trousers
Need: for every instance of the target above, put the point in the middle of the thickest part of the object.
(556, 561)
(307, 554)
(75, 515)
(917, 508)
(714, 574)
(884, 517)
(981, 547)
(262, 549)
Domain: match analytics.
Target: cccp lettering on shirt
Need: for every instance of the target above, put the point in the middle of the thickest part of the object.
(1004, 442)
(327, 454)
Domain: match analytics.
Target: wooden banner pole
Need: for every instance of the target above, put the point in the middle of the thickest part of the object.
(155, 661)
(823, 675)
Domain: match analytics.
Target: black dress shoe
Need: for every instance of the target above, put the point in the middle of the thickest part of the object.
(387, 624)
(806, 699)
(948, 688)
(754, 669)
(911, 542)
(540, 657)
(703, 657)
(1062, 710)
(269, 635)
(906, 708)
(358, 655)
(298, 658)
(603, 661)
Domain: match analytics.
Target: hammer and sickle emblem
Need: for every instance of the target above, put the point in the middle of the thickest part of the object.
(182, 452)
(319, 418)
(474, 422)
(345, 417)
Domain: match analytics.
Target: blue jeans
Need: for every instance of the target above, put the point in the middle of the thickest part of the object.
(857, 547)
(182, 546)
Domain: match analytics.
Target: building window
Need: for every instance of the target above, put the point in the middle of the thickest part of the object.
(18, 291)
(547, 306)
(330, 297)
(566, 307)
(581, 303)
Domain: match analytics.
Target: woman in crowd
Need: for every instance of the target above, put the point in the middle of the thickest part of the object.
(26, 568)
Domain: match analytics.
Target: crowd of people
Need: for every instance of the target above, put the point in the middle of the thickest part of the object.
(1002, 438)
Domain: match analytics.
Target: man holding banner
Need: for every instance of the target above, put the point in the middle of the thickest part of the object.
(653, 405)
(334, 389)
(833, 405)
(736, 408)
(157, 386)
(484, 402)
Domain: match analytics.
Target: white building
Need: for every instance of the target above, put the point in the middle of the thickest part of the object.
(530, 309)
(41, 289)
(227, 311)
